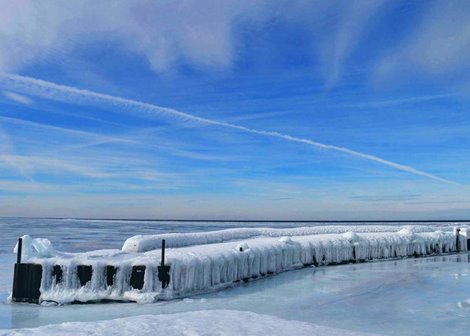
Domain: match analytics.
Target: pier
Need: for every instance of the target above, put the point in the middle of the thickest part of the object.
(178, 272)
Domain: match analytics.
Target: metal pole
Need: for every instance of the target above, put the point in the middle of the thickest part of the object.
(164, 271)
(163, 252)
(20, 247)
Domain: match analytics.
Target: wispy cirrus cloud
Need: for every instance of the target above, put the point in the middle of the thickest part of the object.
(438, 46)
(48, 149)
(168, 34)
(91, 167)
(205, 34)
(17, 98)
(8, 152)
(385, 198)
(69, 94)
(84, 135)
(163, 32)
(38, 163)
(355, 20)
(16, 186)
(396, 102)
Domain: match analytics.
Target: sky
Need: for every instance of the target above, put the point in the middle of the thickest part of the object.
(235, 109)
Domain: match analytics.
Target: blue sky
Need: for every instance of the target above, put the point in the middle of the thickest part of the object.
(328, 110)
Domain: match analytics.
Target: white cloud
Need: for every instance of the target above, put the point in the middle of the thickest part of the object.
(31, 187)
(165, 32)
(442, 43)
(337, 45)
(17, 98)
(89, 137)
(47, 149)
(36, 163)
(92, 167)
(7, 149)
(439, 45)
(203, 33)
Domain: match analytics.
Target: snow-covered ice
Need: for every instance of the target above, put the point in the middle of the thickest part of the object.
(205, 322)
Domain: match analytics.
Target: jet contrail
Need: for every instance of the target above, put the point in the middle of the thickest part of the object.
(41, 88)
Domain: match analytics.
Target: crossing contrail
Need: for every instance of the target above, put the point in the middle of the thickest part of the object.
(53, 91)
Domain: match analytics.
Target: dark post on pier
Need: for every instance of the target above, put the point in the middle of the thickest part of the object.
(163, 271)
(163, 252)
(457, 242)
(19, 252)
(26, 279)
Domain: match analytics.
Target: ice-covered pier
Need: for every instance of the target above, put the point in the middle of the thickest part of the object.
(207, 261)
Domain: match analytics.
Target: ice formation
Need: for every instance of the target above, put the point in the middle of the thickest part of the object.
(214, 260)
(35, 248)
(228, 323)
(146, 243)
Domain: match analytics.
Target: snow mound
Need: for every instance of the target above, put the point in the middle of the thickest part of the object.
(205, 322)
(286, 240)
(406, 232)
(351, 236)
(242, 247)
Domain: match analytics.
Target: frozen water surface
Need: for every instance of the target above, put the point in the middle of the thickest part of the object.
(201, 322)
(407, 297)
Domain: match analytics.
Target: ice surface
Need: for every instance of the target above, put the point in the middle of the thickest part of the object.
(424, 296)
(205, 322)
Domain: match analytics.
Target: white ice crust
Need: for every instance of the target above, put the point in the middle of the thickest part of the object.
(35, 248)
(224, 258)
(204, 322)
(141, 243)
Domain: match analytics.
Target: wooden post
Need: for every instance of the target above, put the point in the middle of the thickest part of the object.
(164, 271)
(26, 279)
(138, 277)
(19, 251)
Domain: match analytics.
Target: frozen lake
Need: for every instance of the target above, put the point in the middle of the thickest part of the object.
(407, 297)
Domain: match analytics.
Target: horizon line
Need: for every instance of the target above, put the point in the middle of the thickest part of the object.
(246, 220)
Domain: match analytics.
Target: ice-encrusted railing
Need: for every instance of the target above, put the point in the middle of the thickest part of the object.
(144, 243)
(200, 268)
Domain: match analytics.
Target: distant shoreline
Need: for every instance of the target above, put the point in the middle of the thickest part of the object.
(246, 220)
